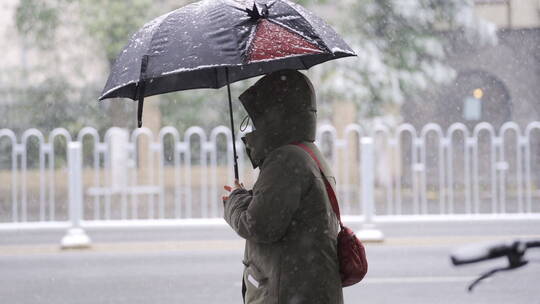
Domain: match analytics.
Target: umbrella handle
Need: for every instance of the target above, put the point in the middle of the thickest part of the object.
(140, 109)
(236, 176)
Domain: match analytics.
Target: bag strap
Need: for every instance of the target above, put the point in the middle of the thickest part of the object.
(329, 190)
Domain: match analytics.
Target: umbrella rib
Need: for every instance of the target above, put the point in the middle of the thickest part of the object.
(249, 43)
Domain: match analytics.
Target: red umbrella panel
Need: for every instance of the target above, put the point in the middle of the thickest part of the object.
(273, 41)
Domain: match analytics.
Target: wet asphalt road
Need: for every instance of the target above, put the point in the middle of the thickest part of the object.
(202, 265)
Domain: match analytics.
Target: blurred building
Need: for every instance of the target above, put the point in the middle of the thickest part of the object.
(494, 83)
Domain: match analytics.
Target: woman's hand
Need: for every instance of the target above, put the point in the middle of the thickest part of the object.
(237, 185)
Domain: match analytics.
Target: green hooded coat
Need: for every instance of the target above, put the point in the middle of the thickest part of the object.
(287, 219)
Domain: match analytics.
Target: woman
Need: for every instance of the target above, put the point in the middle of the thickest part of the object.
(287, 219)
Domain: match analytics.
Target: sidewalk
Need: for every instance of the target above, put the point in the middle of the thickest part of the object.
(223, 238)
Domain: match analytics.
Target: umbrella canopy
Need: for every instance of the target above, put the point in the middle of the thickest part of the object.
(212, 43)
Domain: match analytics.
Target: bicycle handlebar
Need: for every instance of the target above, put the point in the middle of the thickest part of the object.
(514, 252)
(477, 253)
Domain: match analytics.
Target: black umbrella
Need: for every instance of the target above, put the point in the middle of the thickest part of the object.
(213, 43)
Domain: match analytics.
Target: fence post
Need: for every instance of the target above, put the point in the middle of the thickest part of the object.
(368, 232)
(75, 237)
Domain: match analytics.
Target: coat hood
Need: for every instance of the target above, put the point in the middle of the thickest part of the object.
(282, 106)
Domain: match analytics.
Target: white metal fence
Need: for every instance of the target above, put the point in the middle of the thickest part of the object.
(383, 174)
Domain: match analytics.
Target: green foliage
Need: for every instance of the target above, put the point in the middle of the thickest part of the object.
(400, 44)
(112, 22)
(109, 22)
(50, 105)
(38, 20)
(401, 47)
(205, 108)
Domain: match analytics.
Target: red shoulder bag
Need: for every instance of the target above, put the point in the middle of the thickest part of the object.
(353, 264)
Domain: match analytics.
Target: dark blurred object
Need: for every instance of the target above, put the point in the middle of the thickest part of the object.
(514, 252)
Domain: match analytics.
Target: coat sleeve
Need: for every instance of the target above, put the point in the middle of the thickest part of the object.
(265, 214)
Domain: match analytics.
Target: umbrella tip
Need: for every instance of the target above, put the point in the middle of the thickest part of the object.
(255, 14)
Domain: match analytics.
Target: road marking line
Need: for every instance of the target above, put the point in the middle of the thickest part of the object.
(449, 240)
(415, 280)
(147, 247)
